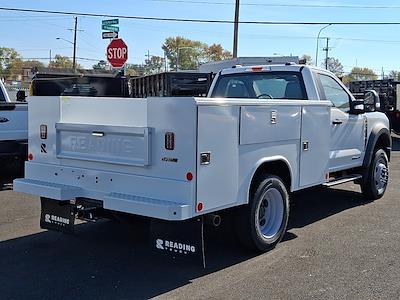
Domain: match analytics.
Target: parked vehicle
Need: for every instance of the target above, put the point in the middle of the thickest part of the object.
(262, 133)
(389, 94)
(13, 128)
(79, 84)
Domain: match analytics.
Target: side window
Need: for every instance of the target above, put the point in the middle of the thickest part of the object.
(334, 92)
(2, 97)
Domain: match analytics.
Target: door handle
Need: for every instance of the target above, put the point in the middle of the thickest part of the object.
(337, 122)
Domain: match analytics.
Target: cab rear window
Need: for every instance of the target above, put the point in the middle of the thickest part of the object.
(271, 85)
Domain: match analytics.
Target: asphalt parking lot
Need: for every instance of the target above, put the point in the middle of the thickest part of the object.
(338, 246)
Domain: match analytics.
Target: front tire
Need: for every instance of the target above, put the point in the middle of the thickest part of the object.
(262, 223)
(377, 176)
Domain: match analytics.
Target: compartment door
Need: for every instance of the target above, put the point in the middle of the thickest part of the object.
(314, 148)
(218, 137)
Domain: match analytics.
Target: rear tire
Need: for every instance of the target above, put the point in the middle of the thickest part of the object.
(262, 223)
(377, 176)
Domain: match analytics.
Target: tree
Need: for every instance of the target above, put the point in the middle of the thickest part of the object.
(335, 66)
(363, 74)
(10, 61)
(357, 74)
(135, 70)
(33, 65)
(394, 75)
(308, 59)
(182, 53)
(101, 65)
(64, 62)
(216, 52)
(154, 65)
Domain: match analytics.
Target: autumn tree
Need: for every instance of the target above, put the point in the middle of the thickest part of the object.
(63, 62)
(154, 65)
(10, 61)
(216, 52)
(357, 74)
(135, 70)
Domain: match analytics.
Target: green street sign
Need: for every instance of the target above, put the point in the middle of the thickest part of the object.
(110, 22)
(110, 28)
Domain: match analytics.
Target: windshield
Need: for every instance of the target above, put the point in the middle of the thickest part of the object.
(271, 85)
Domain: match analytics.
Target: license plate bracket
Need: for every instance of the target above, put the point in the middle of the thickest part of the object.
(57, 215)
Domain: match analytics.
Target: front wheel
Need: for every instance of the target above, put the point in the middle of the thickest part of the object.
(262, 223)
(377, 176)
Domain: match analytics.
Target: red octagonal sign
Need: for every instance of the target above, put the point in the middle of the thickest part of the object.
(117, 53)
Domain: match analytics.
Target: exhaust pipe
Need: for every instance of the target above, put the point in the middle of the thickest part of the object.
(213, 220)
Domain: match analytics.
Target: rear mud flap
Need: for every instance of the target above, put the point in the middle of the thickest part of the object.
(179, 240)
(57, 215)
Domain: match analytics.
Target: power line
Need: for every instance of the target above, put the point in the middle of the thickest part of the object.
(283, 5)
(41, 58)
(192, 20)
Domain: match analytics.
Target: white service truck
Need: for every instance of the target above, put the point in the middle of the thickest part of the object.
(13, 128)
(262, 133)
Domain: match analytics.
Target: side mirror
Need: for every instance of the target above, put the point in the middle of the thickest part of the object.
(357, 107)
(371, 101)
(21, 96)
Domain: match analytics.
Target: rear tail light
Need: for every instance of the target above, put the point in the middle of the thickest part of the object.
(257, 69)
(30, 156)
(189, 176)
(169, 141)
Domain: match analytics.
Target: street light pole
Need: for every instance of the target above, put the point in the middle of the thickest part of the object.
(316, 52)
(236, 30)
(327, 53)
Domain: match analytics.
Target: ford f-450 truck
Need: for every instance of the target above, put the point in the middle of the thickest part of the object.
(262, 133)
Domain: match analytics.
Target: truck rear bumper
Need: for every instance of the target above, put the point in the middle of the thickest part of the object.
(113, 198)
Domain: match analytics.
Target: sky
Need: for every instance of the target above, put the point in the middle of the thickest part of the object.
(377, 47)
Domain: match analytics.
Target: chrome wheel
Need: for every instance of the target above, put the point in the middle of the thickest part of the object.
(381, 175)
(270, 213)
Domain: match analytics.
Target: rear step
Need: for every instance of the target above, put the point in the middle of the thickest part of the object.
(341, 180)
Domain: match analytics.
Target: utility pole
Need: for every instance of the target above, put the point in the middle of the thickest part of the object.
(326, 49)
(50, 59)
(74, 56)
(165, 61)
(236, 30)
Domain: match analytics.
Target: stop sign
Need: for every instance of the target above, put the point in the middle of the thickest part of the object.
(117, 53)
